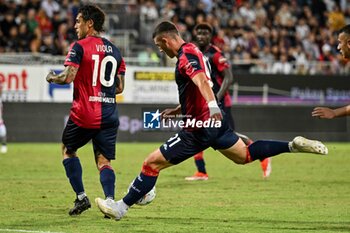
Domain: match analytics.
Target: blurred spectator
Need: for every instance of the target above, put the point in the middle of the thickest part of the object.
(219, 39)
(248, 31)
(167, 12)
(148, 57)
(7, 23)
(32, 22)
(336, 19)
(182, 10)
(35, 42)
(44, 22)
(13, 43)
(24, 38)
(50, 6)
(302, 29)
(247, 12)
(282, 66)
(148, 17)
(48, 45)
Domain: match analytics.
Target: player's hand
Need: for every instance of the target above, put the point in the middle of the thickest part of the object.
(214, 111)
(323, 113)
(49, 77)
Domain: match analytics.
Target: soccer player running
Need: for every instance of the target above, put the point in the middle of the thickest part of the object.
(222, 78)
(198, 104)
(97, 69)
(344, 48)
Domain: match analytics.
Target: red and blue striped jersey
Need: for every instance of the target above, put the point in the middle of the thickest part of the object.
(218, 64)
(191, 62)
(98, 62)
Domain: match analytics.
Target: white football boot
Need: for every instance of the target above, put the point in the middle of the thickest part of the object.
(114, 210)
(301, 144)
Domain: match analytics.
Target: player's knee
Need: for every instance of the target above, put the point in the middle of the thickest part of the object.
(150, 169)
(102, 161)
(151, 162)
(68, 153)
(155, 161)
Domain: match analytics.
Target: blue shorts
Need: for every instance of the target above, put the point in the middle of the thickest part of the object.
(103, 140)
(186, 144)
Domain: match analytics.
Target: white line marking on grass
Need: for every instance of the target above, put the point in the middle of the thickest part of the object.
(27, 231)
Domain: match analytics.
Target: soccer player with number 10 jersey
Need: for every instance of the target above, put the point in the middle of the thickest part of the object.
(97, 69)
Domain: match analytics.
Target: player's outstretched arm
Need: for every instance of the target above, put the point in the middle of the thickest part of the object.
(328, 113)
(226, 83)
(203, 84)
(65, 77)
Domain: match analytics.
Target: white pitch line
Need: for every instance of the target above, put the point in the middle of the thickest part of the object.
(27, 231)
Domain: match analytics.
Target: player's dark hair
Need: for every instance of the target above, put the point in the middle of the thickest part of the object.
(165, 27)
(204, 26)
(345, 29)
(94, 13)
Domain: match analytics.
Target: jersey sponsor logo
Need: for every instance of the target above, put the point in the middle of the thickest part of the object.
(151, 120)
(102, 99)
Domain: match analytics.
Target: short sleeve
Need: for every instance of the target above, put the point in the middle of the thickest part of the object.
(122, 67)
(220, 61)
(74, 55)
(190, 64)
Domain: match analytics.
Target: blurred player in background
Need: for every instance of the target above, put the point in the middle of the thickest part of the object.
(198, 103)
(344, 48)
(222, 78)
(97, 69)
(3, 133)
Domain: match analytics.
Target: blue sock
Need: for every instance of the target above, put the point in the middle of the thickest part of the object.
(142, 185)
(262, 149)
(107, 179)
(200, 165)
(74, 173)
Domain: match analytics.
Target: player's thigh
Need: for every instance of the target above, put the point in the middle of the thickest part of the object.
(181, 146)
(237, 152)
(104, 142)
(74, 137)
(230, 145)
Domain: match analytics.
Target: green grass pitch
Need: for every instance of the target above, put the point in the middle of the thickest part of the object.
(305, 193)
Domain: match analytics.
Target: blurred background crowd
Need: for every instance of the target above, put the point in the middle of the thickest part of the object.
(258, 36)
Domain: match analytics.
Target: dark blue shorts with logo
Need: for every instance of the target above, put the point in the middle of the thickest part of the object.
(186, 144)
